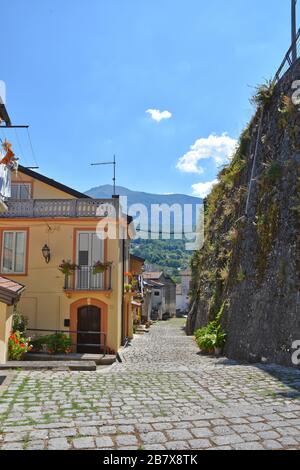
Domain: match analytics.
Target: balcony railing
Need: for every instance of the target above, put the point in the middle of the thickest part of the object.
(39, 208)
(84, 279)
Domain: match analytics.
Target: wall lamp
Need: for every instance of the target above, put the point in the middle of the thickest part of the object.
(46, 253)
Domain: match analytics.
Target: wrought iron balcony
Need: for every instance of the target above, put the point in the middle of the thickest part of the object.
(39, 208)
(84, 279)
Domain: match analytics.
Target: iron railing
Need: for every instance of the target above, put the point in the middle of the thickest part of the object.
(289, 58)
(101, 345)
(85, 279)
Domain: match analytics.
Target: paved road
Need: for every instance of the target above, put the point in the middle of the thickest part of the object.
(164, 396)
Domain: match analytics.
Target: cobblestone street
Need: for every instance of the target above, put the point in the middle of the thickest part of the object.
(163, 396)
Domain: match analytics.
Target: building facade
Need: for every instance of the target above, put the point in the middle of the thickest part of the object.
(163, 294)
(183, 292)
(46, 223)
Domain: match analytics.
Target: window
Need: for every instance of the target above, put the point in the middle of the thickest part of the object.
(156, 293)
(13, 252)
(90, 249)
(21, 191)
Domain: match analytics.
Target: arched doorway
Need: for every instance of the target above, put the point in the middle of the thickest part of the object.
(95, 315)
(89, 328)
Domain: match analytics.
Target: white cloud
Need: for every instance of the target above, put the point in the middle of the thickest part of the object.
(219, 148)
(203, 189)
(158, 115)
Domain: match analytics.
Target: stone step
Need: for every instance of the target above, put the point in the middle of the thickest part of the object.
(49, 365)
(99, 359)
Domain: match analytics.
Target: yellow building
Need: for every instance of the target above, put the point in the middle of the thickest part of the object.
(10, 293)
(48, 222)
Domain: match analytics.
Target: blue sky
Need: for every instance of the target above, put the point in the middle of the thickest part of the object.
(84, 74)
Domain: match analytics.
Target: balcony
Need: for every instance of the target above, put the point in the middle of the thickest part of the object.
(48, 208)
(85, 280)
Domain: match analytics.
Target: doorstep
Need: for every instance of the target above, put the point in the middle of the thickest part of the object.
(141, 330)
(99, 359)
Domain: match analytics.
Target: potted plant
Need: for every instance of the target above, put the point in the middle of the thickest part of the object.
(211, 338)
(100, 267)
(67, 268)
(127, 288)
(219, 340)
(205, 341)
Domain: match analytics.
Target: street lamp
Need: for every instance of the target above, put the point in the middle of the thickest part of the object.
(46, 253)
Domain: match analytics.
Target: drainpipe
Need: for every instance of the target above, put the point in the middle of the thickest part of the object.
(122, 293)
(117, 197)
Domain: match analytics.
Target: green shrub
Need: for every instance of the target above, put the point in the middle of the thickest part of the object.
(210, 337)
(264, 94)
(54, 344)
(19, 322)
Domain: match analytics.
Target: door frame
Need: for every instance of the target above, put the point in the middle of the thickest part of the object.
(74, 318)
(87, 316)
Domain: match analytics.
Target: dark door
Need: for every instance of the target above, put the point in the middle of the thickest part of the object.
(88, 322)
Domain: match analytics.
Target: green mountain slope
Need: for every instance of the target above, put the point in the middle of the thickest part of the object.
(169, 255)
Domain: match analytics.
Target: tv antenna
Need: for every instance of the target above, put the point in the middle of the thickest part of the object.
(114, 163)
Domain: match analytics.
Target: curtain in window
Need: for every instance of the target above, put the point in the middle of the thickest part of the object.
(14, 245)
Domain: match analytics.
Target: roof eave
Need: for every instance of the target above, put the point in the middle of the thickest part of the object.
(53, 183)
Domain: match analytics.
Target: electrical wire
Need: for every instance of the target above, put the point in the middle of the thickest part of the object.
(31, 147)
(165, 233)
(22, 153)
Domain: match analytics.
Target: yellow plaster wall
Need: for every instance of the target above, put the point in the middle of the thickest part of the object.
(40, 190)
(5, 330)
(44, 302)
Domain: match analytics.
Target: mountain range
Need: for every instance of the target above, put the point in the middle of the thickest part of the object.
(147, 199)
(140, 197)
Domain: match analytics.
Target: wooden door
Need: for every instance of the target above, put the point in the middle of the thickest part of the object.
(88, 322)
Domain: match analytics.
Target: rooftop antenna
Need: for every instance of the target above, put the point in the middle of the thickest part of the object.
(114, 163)
(294, 29)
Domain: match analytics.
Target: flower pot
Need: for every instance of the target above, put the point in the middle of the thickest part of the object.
(218, 351)
(207, 352)
(99, 270)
